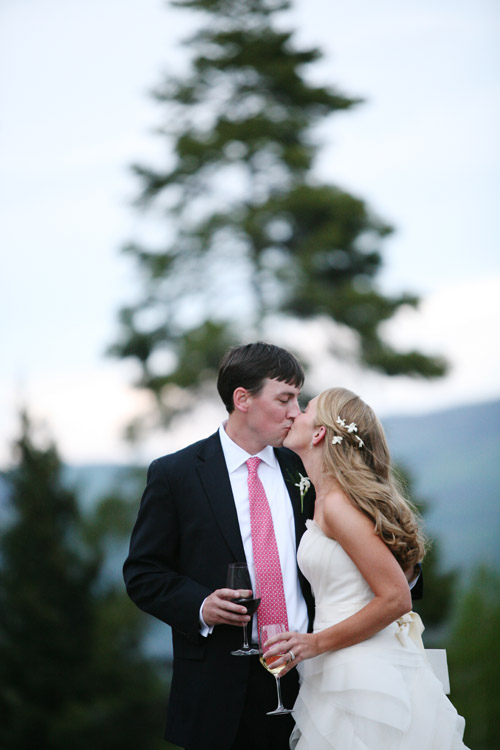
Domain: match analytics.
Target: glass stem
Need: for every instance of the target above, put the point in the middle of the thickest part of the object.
(278, 688)
(245, 637)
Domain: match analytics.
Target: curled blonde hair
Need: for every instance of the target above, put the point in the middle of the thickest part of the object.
(365, 474)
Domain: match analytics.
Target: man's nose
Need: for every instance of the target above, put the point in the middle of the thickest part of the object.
(294, 410)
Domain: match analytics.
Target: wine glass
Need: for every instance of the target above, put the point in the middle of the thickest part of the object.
(266, 632)
(243, 576)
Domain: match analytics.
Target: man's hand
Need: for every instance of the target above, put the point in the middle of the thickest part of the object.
(220, 609)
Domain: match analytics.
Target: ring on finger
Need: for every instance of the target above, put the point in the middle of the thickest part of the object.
(292, 656)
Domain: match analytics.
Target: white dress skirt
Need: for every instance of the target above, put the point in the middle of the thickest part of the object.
(380, 694)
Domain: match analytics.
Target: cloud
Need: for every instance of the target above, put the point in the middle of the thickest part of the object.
(459, 322)
(86, 412)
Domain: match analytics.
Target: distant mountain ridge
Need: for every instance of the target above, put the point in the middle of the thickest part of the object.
(453, 458)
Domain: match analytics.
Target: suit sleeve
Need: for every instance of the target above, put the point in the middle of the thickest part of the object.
(150, 571)
(417, 592)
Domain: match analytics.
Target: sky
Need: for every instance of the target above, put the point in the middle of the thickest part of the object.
(75, 112)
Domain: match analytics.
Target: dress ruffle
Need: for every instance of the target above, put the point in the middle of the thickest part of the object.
(358, 699)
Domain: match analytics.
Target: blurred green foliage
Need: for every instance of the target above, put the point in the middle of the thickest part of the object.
(72, 670)
(474, 659)
(252, 235)
(461, 615)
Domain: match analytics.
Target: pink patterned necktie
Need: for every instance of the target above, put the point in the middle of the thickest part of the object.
(265, 552)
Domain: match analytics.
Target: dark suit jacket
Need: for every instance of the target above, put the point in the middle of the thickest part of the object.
(185, 536)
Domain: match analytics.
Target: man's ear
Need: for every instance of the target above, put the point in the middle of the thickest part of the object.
(318, 434)
(241, 399)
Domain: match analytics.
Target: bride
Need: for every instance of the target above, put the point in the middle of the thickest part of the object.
(365, 680)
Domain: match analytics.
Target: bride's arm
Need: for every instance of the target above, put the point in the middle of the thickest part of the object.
(392, 598)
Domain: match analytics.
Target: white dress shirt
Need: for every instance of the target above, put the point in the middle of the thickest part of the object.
(283, 521)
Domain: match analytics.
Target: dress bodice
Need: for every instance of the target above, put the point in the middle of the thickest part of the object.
(339, 588)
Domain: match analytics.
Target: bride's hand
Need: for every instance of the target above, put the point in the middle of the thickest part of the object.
(300, 646)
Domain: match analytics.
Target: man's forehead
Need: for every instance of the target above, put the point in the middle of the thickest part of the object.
(279, 386)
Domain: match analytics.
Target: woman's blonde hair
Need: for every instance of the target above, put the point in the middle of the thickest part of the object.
(361, 463)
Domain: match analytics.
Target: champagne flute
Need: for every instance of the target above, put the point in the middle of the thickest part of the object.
(266, 632)
(243, 576)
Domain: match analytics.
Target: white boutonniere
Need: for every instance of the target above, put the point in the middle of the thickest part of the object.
(303, 484)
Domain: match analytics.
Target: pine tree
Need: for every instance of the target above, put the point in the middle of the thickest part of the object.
(71, 670)
(473, 656)
(252, 235)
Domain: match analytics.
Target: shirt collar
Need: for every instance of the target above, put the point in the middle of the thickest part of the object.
(236, 456)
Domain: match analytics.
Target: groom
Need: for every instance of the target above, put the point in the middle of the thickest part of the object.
(193, 521)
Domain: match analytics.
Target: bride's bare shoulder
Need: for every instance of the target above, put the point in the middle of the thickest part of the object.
(340, 515)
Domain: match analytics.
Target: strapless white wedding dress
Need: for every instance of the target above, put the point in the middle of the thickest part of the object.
(380, 694)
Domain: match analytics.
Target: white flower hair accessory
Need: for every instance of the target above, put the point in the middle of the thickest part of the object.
(351, 428)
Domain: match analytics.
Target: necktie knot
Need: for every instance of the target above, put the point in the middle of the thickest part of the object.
(253, 464)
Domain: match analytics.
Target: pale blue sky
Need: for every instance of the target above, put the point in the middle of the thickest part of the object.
(75, 112)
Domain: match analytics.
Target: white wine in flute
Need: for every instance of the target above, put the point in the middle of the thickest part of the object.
(268, 664)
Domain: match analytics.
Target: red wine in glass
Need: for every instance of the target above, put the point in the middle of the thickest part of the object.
(250, 604)
(243, 576)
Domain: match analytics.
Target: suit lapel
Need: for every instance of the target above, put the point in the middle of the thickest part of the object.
(214, 477)
(302, 510)
(290, 471)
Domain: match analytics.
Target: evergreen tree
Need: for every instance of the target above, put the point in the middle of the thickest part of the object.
(252, 235)
(473, 656)
(71, 672)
